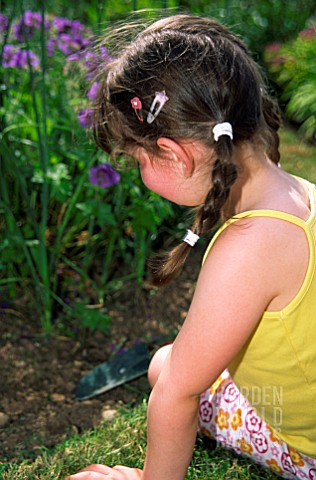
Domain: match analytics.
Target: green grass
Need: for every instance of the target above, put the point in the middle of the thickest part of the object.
(298, 157)
(124, 440)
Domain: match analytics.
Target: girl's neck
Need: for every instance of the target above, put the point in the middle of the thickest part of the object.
(256, 182)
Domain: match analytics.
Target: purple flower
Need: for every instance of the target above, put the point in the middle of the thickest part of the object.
(78, 29)
(69, 44)
(64, 25)
(91, 62)
(85, 117)
(104, 175)
(74, 57)
(8, 54)
(105, 56)
(94, 91)
(51, 44)
(26, 26)
(4, 22)
(28, 56)
(14, 57)
(72, 36)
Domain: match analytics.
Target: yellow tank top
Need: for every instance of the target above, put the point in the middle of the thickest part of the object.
(276, 369)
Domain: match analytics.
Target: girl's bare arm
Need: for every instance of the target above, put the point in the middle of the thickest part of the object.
(239, 279)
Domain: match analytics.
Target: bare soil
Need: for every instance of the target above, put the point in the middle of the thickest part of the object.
(38, 374)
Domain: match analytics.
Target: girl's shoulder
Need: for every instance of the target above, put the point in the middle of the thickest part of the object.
(291, 201)
(262, 251)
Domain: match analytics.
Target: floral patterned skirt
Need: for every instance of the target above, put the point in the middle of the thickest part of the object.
(226, 416)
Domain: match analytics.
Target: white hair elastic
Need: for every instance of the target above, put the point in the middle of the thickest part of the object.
(156, 106)
(190, 238)
(224, 128)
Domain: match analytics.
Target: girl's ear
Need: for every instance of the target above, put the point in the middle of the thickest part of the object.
(181, 153)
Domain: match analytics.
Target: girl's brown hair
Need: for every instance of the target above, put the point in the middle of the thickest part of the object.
(209, 78)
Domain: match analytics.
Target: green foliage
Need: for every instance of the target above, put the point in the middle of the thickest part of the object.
(257, 23)
(63, 235)
(98, 12)
(292, 66)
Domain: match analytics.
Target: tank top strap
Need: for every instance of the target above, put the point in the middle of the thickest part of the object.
(304, 224)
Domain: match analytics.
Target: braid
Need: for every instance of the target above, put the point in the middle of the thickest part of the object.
(224, 174)
(166, 265)
(272, 116)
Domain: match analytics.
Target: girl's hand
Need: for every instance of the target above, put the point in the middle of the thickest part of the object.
(102, 472)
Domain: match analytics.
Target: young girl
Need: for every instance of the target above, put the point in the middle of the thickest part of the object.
(186, 100)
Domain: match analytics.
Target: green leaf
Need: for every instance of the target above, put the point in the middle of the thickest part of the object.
(101, 211)
(92, 318)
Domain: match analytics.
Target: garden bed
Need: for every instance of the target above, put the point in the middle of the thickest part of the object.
(38, 374)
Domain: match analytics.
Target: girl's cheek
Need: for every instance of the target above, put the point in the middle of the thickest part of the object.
(148, 181)
(155, 184)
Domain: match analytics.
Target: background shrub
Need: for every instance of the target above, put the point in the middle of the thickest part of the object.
(257, 22)
(292, 65)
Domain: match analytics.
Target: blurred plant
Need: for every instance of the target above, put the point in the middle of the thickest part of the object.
(68, 218)
(292, 66)
(257, 23)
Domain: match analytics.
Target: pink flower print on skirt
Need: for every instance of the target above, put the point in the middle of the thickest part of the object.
(226, 416)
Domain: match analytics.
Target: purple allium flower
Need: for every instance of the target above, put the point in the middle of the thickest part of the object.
(4, 22)
(104, 175)
(32, 19)
(64, 25)
(74, 57)
(66, 44)
(14, 57)
(26, 26)
(91, 62)
(105, 56)
(77, 28)
(94, 91)
(69, 44)
(51, 44)
(8, 55)
(28, 56)
(85, 117)
(71, 35)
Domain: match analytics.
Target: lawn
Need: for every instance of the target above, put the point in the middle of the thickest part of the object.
(123, 442)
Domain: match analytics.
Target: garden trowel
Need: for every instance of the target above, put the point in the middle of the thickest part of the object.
(117, 370)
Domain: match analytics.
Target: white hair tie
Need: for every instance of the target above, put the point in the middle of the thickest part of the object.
(220, 129)
(190, 238)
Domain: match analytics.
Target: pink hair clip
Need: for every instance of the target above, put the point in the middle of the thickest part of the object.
(137, 105)
(156, 106)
